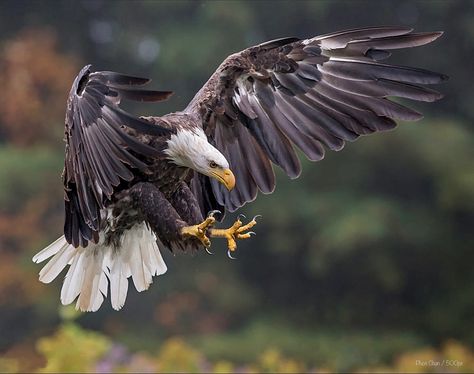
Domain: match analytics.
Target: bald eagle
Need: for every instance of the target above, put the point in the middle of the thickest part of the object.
(134, 186)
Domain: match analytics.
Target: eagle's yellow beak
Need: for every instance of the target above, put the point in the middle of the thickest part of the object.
(225, 176)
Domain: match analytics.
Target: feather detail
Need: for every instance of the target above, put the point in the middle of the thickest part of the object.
(118, 282)
(74, 278)
(92, 268)
(314, 94)
(62, 254)
(50, 250)
(92, 290)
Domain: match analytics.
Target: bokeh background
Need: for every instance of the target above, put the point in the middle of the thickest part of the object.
(363, 263)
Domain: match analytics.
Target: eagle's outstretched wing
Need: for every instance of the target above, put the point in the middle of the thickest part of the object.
(97, 147)
(314, 94)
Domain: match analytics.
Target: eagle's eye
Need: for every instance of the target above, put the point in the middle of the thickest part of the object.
(212, 164)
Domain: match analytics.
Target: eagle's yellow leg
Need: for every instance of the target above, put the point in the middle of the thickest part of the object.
(199, 231)
(233, 233)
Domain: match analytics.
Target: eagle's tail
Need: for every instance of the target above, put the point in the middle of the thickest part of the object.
(92, 268)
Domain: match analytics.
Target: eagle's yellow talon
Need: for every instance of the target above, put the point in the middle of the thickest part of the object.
(235, 232)
(246, 235)
(209, 221)
(246, 227)
(199, 231)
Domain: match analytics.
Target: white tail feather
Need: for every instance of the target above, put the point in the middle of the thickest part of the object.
(57, 264)
(74, 278)
(140, 275)
(92, 268)
(50, 250)
(118, 283)
(92, 288)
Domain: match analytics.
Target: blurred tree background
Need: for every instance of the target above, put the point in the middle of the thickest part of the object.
(365, 262)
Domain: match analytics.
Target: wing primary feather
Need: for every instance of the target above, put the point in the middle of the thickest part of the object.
(341, 38)
(310, 147)
(320, 117)
(306, 127)
(246, 189)
(370, 71)
(383, 88)
(95, 158)
(381, 107)
(258, 164)
(274, 141)
(368, 120)
(394, 42)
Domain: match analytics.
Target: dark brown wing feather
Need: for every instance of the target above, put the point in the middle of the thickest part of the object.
(98, 149)
(313, 94)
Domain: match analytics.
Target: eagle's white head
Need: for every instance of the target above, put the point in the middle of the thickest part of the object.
(190, 148)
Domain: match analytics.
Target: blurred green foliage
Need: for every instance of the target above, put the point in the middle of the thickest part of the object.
(363, 263)
(73, 349)
(18, 167)
(323, 346)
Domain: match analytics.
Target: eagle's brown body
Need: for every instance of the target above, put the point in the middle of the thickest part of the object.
(168, 184)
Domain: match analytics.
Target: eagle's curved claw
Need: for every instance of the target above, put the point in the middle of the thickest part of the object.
(208, 251)
(240, 216)
(213, 212)
(229, 254)
(237, 231)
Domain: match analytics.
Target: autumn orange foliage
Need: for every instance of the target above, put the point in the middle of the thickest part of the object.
(35, 79)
